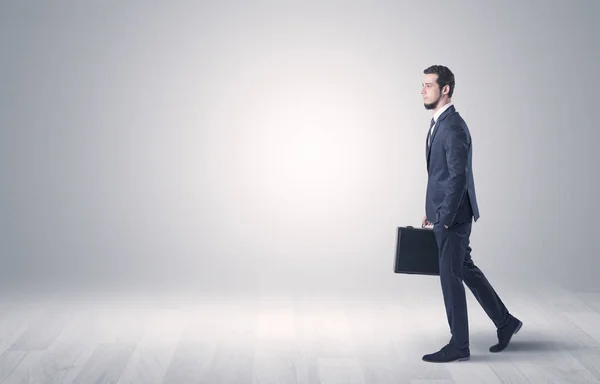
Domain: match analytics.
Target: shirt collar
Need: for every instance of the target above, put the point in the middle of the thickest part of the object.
(437, 115)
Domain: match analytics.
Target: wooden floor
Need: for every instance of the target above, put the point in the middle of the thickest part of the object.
(290, 338)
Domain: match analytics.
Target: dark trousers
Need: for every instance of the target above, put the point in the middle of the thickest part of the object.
(457, 266)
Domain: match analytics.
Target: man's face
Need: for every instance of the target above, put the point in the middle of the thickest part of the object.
(430, 91)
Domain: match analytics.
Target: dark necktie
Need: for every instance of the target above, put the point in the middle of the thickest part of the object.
(431, 124)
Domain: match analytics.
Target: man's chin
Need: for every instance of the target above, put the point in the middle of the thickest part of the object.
(429, 106)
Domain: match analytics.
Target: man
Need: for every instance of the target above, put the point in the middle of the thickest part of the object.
(451, 207)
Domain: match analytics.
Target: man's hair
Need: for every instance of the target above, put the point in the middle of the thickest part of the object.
(445, 77)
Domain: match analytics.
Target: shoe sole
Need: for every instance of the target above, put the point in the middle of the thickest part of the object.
(451, 361)
(518, 328)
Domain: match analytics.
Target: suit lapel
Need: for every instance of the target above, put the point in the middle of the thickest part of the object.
(438, 124)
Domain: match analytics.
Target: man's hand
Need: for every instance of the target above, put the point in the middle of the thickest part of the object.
(425, 222)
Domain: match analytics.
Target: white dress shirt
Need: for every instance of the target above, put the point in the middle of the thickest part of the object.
(436, 116)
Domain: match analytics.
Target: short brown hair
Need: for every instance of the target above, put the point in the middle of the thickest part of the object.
(445, 76)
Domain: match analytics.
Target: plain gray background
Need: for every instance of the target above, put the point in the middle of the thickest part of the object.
(235, 145)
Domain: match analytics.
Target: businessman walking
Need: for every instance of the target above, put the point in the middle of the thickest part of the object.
(451, 207)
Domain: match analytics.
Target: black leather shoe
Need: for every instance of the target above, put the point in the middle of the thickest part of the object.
(448, 354)
(505, 334)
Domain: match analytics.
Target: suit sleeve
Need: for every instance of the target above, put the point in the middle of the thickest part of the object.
(457, 156)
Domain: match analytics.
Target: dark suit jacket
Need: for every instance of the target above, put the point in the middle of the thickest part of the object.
(450, 198)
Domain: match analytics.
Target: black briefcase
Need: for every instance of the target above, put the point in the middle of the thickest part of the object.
(416, 252)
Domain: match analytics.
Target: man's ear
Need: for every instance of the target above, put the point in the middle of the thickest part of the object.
(446, 89)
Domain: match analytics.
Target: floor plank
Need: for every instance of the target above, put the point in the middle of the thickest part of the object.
(277, 356)
(106, 364)
(555, 367)
(154, 353)
(590, 359)
(9, 361)
(45, 329)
